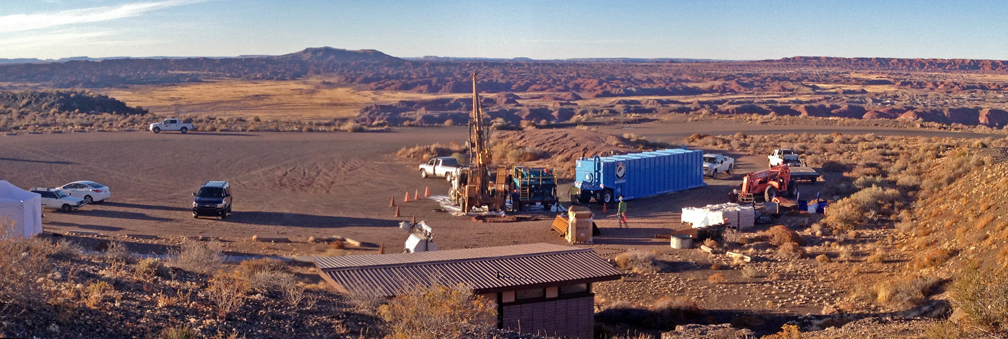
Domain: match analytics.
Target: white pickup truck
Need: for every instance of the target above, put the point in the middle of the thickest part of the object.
(784, 156)
(446, 167)
(171, 124)
(717, 163)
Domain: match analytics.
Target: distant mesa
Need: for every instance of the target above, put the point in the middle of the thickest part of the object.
(329, 54)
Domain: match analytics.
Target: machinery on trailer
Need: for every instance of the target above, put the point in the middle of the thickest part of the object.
(532, 186)
(768, 184)
(480, 184)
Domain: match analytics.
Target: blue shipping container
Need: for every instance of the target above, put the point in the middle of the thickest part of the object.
(637, 175)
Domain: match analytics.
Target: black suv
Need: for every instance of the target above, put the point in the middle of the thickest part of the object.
(213, 199)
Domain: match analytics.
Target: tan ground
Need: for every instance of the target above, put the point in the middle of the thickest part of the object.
(300, 185)
(303, 99)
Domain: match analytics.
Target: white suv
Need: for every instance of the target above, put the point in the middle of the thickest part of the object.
(54, 198)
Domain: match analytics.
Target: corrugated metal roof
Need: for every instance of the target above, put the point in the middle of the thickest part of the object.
(485, 269)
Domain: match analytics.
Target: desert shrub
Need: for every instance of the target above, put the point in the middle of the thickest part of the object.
(930, 258)
(505, 152)
(780, 235)
(67, 250)
(250, 267)
(425, 153)
(877, 258)
(822, 259)
(22, 263)
(717, 278)
(198, 256)
(711, 243)
(227, 291)
(904, 292)
(148, 268)
(750, 272)
(637, 261)
(790, 251)
(352, 127)
(118, 252)
(860, 208)
(179, 332)
(944, 329)
(449, 312)
(96, 293)
(787, 332)
(983, 295)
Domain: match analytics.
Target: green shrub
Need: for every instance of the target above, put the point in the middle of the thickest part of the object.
(983, 295)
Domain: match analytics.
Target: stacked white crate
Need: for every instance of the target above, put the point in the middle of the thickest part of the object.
(738, 216)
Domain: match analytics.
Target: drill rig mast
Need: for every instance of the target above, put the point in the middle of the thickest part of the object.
(481, 184)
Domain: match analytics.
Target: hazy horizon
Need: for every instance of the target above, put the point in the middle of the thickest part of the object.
(718, 30)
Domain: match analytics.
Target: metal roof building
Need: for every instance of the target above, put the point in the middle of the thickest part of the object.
(539, 288)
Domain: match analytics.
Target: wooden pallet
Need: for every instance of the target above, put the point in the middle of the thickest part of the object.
(560, 225)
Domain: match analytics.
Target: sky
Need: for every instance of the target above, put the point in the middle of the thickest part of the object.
(548, 29)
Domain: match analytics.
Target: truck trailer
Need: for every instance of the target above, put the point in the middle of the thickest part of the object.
(637, 175)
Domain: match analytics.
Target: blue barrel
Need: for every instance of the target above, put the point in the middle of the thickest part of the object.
(822, 207)
(802, 205)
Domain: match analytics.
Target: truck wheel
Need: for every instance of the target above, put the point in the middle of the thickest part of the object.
(607, 197)
(584, 197)
(769, 194)
(713, 174)
(448, 177)
(195, 215)
(792, 189)
(88, 199)
(157, 130)
(423, 174)
(729, 169)
(184, 130)
(223, 215)
(66, 208)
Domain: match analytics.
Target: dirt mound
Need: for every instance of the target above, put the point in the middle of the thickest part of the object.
(560, 148)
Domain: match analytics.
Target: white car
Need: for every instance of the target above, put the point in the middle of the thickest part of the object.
(90, 191)
(54, 198)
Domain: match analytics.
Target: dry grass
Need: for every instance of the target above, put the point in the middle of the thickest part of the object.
(904, 292)
(637, 261)
(148, 268)
(302, 99)
(96, 293)
(449, 312)
(983, 295)
(198, 256)
(22, 263)
(227, 291)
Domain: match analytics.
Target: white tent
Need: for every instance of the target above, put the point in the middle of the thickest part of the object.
(22, 207)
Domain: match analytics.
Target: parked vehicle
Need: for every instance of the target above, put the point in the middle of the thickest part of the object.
(57, 199)
(796, 166)
(171, 124)
(783, 156)
(637, 175)
(717, 163)
(90, 191)
(446, 167)
(532, 186)
(213, 199)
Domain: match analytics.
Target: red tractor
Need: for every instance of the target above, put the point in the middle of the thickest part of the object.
(768, 183)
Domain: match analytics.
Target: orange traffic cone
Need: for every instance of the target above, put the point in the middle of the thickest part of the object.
(416, 194)
(381, 248)
(397, 211)
(426, 191)
(604, 208)
(391, 202)
(406, 199)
